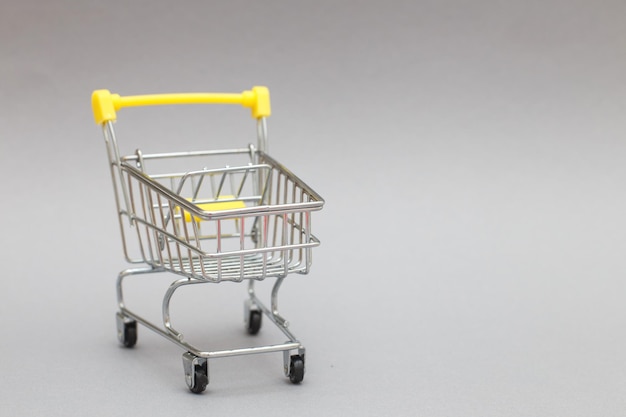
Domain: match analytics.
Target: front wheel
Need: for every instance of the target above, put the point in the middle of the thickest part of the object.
(200, 380)
(196, 372)
(296, 369)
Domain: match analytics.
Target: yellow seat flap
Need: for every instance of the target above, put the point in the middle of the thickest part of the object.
(216, 206)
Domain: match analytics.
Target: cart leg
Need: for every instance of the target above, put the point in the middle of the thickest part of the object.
(166, 304)
(272, 312)
(277, 317)
(126, 273)
(196, 372)
(126, 326)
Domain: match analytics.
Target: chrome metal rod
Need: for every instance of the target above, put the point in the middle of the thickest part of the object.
(210, 354)
(272, 318)
(126, 273)
(279, 319)
(166, 304)
(252, 350)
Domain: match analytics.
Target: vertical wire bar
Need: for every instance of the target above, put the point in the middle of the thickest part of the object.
(285, 231)
(286, 189)
(196, 231)
(307, 217)
(186, 233)
(159, 249)
(241, 247)
(264, 198)
(155, 225)
(131, 207)
(164, 221)
(264, 225)
(258, 192)
(237, 228)
(133, 214)
(266, 189)
(193, 187)
(219, 248)
(231, 183)
(143, 191)
(231, 179)
(212, 178)
(301, 224)
(150, 205)
(277, 202)
(144, 206)
(175, 227)
(293, 219)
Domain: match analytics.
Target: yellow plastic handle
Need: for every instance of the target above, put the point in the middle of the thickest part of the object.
(105, 105)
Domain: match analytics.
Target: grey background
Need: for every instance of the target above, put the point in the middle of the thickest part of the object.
(471, 156)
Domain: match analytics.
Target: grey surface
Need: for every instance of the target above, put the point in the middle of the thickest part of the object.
(471, 156)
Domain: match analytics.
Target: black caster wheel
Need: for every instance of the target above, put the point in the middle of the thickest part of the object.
(255, 319)
(126, 331)
(200, 380)
(296, 369)
(196, 372)
(130, 334)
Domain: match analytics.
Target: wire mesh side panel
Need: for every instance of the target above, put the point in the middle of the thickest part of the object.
(286, 234)
(232, 223)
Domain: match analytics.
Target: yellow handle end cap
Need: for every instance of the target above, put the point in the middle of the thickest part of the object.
(258, 99)
(102, 103)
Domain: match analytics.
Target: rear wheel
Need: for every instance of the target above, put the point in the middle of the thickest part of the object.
(126, 330)
(130, 335)
(255, 319)
(296, 369)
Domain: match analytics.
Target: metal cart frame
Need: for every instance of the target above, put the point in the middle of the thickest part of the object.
(261, 229)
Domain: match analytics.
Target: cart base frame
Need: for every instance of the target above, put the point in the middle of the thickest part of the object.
(195, 360)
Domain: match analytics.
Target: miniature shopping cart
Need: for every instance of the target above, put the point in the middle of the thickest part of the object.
(210, 222)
